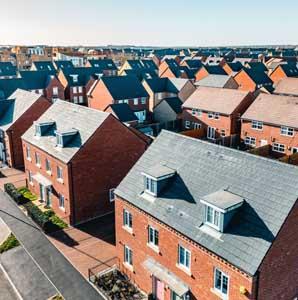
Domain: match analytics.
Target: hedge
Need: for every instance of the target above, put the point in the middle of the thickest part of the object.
(12, 191)
(27, 194)
(9, 243)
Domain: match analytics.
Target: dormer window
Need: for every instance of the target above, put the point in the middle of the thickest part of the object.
(59, 140)
(156, 178)
(219, 208)
(64, 137)
(37, 129)
(42, 126)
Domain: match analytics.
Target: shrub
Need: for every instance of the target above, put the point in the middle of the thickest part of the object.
(12, 191)
(58, 222)
(37, 215)
(11, 242)
(27, 194)
(49, 213)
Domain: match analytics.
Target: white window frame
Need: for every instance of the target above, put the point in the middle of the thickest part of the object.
(128, 255)
(48, 166)
(127, 219)
(187, 124)
(74, 90)
(187, 253)
(216, 216)
(81, 99)
(143, 100)
(222, 132)
(220, 291)
(80, 89)
(112, 196)
(153, 236)
(61, 200)
(37, 159)
(287, 131)
(150, 185)
(28, 153)
(277, 147)
(250, 141)
(30, 178)
(59, 173)
(257, 125)
(55, 91)
(59, 140)
(135, 101)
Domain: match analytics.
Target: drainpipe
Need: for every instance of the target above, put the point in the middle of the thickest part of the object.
(71, 194)
(11, 147)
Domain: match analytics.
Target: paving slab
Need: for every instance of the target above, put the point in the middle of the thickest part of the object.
(6, 290)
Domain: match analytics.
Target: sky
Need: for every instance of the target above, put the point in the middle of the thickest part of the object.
(149, 23)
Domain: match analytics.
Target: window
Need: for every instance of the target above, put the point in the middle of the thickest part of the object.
(196, 125)
(30, 177)
(257, 125)
(127, 219)
(221, 282)
(80, 89)
(295, 150)
(222, 133)
(143, 101)
(28, 154)
(278, 147)
(212, 217)
(187, 124)
(61, 201)
(210, 115)
(183, 257)
(59, 140)
(127, 255)
(75, 99)
(48, 166)
(152, 236)
(286, 131)
(37, 159)
(216, 116)
(120, 101)
(151, 186)
(59, 173)
(136, 101)
(112, 195)
(81, 99)
(55, 91)
(251, 141)
(74, 89)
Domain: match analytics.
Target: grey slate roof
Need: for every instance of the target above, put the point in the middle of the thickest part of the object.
(270, 190)
(7, 69)
(14, 107)
(66, 116)
(214, 80)
(159, 171)
(123, 112)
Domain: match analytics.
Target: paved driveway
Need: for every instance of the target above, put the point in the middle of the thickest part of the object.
(87, 245)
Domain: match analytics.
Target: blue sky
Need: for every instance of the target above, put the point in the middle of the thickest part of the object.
(155, 22)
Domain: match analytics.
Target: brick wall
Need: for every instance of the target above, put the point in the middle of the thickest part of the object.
(203, 262)
(245, 82)
(21, 125)
(277, 75)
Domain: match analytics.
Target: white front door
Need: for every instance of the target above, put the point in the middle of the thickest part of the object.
(211, 133)
(42, 192)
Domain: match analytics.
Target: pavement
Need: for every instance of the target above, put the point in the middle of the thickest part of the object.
(27, 278)
(9, 175)
(87, 245)
(6, 290)
(63, 276)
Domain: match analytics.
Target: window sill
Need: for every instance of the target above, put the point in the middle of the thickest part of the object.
(49, 173)
(128, 266)
(184, 269)
(29, 159)
(153, 247)
(218, 294)
(128, 229)
(60, 180)
(38, 166)
(62, 208)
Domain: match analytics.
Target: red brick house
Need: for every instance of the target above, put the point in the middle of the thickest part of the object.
(272, 120)
(189, 224)
(252, 80)
(17, 114)
(209, 70)
(171, 69)
(216, 112)
(287, 86)
(117, 90)
(44, 83)
(284, 71)
(74, 159)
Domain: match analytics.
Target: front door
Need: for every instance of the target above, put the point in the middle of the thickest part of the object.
(48, 196)
(159, 289)
(211, 133)
(42, 192)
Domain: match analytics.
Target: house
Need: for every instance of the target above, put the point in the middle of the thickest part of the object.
(192, 64)
(216, 112)
(161, 88)
(74, 159)
(170, 68)
(243, 60)
(117, 90)
(43, 66)
(257, 66)
(209, 70)
(77, 82)
(63, 64)
(252, 80)
(284, 70)
(196, 220)
(17, 113)
(168, 110)
(138, 66)
(44, 83)
(106, 67)
(123, 113)
(232, 68)
(272, 120)
(7, 70)
(218, 81)
(287, 86)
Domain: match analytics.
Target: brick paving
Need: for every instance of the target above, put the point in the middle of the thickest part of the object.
(89, 244)
(17, 177)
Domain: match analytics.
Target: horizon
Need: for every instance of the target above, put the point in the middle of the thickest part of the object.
(158, 24)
